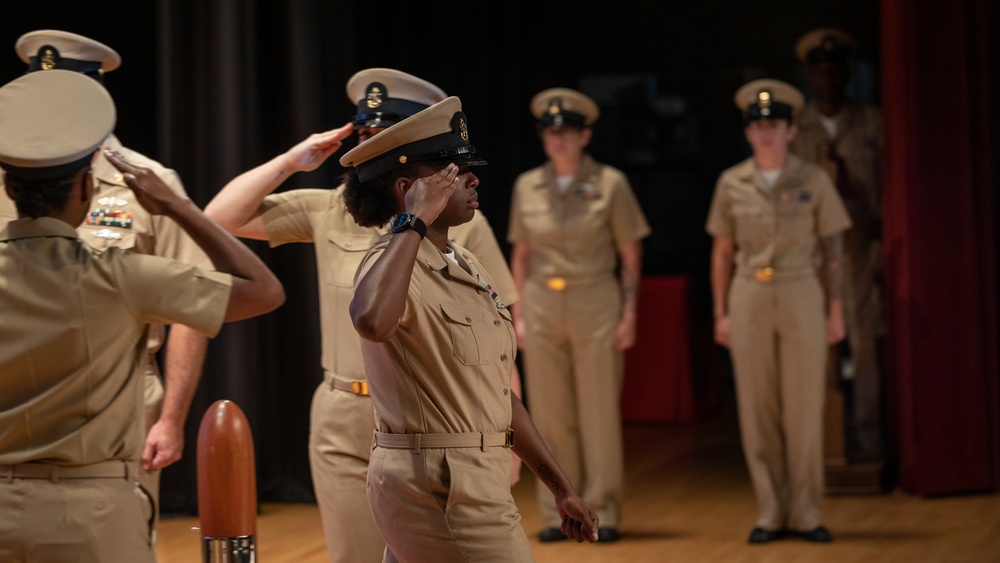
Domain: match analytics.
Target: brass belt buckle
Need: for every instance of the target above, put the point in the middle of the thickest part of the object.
(359, 388)
(764, 275)
(557, 284)
(509, 440)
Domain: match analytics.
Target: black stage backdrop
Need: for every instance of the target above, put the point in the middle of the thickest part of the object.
(214, 88)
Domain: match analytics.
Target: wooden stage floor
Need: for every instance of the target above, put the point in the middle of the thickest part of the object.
(688, 498)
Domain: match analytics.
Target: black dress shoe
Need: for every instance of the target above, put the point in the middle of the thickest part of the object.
(818, 535)
(760, 535)
(608, 534)
(551, 534)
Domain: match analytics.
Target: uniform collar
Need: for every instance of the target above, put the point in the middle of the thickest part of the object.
(747, 172)
(40, 227)
(810, 116)
(429, 254)
(588, 169)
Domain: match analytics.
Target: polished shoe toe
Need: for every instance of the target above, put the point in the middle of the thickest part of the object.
(818, 535)
(760, 535)
(551, 534)
(608, 534)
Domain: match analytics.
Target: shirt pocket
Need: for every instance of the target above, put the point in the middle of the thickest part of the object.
(752, 226)
(102, 238)
(465, 326)
(351, 246)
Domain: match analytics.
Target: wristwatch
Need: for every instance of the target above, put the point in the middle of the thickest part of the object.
(406, 221)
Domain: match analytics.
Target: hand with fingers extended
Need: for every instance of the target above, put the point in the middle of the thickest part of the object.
(427, 197)
(150, 191)
(315, 149)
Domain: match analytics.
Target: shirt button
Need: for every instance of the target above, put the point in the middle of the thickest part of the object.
(504, 391)
(468, 319)
(497, 322)
(503, 357)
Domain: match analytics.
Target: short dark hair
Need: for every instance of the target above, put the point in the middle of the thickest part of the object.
(372, 203)
(40, 197)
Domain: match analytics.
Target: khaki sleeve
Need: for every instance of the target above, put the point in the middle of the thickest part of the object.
(720, 217)
(831, 215)
(628, 222)
(413, 292)
(292, 216)
(161, 291)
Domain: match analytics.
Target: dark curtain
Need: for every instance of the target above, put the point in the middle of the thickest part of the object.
(939, 84)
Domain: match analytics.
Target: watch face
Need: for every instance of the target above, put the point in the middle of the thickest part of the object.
(400, 222)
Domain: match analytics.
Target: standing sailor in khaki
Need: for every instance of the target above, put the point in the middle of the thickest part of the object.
(116, 220)
(74, 326)
(776, 289)
(845, 138)
(572, 222)
(341, 416)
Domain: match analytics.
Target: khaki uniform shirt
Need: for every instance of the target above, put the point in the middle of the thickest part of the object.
(319, 216)
(577, 233)
(117, 220)
(73, 327)
(851, 157)
(447, 367)
(777, 227)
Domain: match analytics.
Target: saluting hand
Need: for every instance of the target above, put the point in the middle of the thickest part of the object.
(427, 197)
(312, 152)
(150, 191)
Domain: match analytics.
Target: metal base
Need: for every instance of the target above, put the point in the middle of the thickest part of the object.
(239, 549)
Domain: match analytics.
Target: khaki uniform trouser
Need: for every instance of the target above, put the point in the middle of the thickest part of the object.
(78, 520)
(778, 348)
(340, 438)
(573, 378)
(446, 505)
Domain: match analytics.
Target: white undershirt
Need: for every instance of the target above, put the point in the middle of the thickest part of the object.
(563, 182)
(450, 255)
(770, 177)
(831, 124)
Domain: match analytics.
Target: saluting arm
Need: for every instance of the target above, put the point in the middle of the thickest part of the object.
(255, 289)
(237, 205)
(380, 297)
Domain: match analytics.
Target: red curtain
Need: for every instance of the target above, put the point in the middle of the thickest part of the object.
(940, 242)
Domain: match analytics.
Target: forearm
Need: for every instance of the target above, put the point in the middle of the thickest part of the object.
(530, 447)
(721, 275)
(630, 273)
(237, 205)
(833, 268)
(185, 356)
(380, 297)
